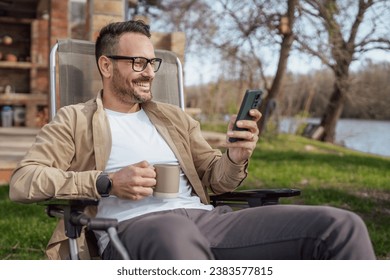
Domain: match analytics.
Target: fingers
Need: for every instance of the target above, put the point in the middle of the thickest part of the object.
(134, 182)
(246, 135)
(143, 174)
(250, 132)
(142, 164)
(255, 114)
(138, 193)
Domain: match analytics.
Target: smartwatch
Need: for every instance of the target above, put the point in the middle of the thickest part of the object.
(104, 184)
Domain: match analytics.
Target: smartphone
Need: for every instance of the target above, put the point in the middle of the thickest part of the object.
(252, 100)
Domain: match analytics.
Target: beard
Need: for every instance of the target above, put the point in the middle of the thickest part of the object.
(124, 89)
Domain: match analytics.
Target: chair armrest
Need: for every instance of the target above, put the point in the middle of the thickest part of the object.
(72, 211)
(56, 207)
(252, 198)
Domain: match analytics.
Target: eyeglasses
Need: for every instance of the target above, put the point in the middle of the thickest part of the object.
(139, 63)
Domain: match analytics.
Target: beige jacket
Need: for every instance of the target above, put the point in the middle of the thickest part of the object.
(70, 152)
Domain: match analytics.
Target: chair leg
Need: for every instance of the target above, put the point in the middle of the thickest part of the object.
(72, 231)
(112, 232)
(73, 249)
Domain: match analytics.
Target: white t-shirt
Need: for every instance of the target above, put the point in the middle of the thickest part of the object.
(134, 139)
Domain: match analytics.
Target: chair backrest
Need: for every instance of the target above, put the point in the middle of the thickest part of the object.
(74, 76)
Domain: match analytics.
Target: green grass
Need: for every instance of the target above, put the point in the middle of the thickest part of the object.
(326, 174)
(291, 160)
(24, 229)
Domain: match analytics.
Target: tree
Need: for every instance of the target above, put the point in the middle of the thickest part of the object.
(285, 27)
(242, 32)
(247, 33)
(245, 30)
(338, 39)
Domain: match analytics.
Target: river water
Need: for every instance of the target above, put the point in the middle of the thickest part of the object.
(368, 136)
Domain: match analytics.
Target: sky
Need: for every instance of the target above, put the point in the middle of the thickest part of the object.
(197, 72)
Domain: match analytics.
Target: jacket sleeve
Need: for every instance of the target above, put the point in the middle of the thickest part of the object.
(45, 172)
(215, 169)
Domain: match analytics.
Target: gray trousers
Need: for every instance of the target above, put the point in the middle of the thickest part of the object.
(280, 232)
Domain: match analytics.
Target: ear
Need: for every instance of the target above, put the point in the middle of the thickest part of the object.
(105, 66)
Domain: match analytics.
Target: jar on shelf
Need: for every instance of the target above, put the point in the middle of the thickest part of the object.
(19, 115)
(11, 57)
(8, 89)
(6, 40)
(6, 116)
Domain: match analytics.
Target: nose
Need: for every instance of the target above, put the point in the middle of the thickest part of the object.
(149, 71)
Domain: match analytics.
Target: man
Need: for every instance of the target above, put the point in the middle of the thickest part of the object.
(105, 148)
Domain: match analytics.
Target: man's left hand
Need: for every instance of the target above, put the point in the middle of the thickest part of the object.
(240, 151)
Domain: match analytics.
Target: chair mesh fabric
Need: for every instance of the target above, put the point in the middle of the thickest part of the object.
(166, 83)
(79, 79)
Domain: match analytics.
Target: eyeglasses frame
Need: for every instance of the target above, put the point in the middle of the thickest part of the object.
(133, 58)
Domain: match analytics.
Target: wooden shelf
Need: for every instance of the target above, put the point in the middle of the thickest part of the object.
(23, 99)
(15, 65)
(27, 76)
(16, 20)
(21, 65)
(30, 100)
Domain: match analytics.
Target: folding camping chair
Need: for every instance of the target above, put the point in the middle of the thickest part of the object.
(74, 78)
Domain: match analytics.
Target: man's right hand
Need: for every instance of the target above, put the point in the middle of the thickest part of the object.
(134, 182)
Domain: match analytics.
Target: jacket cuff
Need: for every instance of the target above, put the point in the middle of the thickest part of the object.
(241, 170)
(232, 162)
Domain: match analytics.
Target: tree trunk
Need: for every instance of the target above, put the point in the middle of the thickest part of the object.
(268, 104)
(334, 108)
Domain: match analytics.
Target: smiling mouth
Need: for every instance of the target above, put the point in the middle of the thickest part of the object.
(145, 86)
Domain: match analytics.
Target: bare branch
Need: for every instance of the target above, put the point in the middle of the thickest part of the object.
(363, 6)
(304, 46)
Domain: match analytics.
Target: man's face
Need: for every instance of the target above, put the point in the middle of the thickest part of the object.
(128, 85)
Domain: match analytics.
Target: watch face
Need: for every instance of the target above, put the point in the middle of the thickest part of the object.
(103, 184)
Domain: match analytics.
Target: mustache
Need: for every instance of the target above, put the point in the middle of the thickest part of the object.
(143, 79)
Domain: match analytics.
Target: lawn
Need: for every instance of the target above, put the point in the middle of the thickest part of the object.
(24, 229)
(326, 175)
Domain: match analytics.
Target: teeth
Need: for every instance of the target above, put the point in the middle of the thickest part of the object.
(142, 84)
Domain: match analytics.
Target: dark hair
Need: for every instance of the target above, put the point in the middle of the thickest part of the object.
(107, 41)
